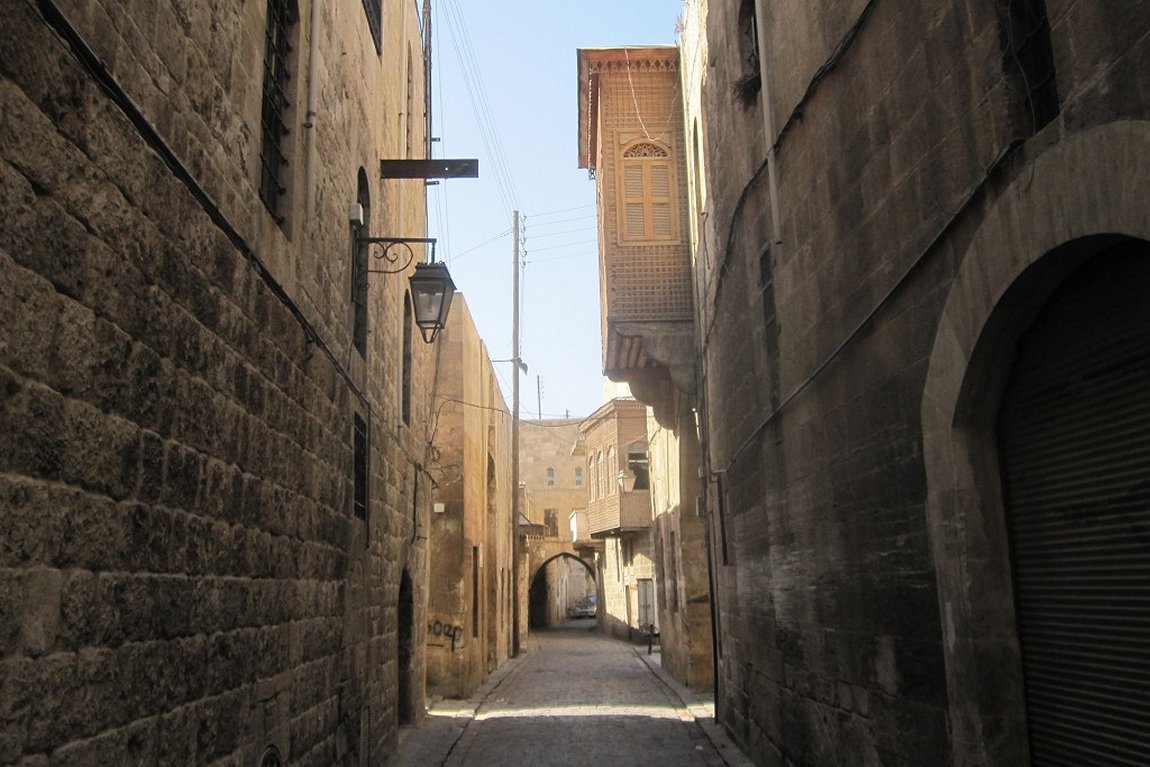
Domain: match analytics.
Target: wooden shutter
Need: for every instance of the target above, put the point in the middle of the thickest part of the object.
(1075, 435)
(660, 198)
(633, 201)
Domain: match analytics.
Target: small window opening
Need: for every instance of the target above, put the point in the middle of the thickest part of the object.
(361, 469)
(750, 80)
(374, 11)
(1029, 62)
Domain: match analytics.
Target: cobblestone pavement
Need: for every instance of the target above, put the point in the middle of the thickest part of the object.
(574, 698)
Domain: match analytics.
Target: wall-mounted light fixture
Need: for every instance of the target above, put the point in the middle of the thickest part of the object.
(431, 286)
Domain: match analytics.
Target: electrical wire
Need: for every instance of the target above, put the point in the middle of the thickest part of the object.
(562, 210)
(473, 81)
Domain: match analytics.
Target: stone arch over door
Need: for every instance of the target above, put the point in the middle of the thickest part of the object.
(1077, 199)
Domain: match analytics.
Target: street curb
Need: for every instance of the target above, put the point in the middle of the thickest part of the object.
(701, 709)
(432, 741)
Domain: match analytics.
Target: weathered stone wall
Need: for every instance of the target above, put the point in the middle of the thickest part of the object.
(182, 573)
(471, 539)
(896, 129)
(679, 537)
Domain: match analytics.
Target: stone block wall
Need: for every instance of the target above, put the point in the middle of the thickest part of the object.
(896, 131)
(470, 600)
(182, 576)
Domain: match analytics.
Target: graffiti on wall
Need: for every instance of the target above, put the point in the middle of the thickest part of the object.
(444, 634)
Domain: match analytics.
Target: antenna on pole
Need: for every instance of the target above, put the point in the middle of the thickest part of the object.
(539, 396)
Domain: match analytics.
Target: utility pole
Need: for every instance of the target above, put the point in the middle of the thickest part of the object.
(539, 396)
(515, 363)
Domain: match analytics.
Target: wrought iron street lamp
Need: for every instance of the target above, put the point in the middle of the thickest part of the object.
(431, 286)
(431, 292)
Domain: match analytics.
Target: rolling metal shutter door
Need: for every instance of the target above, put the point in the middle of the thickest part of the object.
(1075, 436)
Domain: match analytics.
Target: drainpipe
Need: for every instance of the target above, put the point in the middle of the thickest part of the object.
(768, 119)
(310, 114)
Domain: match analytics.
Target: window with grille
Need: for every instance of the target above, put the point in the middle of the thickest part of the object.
(646, 201)
(551, 520)
(578, 476)
(550, 476)
(374, 11)
(281, 19)
(1029, 62)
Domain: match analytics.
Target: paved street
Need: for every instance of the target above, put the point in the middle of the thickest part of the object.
(574, 698)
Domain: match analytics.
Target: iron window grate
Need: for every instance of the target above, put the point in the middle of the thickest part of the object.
(273, 126)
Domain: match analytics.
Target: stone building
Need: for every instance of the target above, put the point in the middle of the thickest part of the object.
(921, 268)
(552, 473)
(619, 515)
(470, 608)
(631, 138)
(214, 427)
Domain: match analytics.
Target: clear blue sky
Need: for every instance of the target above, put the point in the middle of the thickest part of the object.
(517, 59)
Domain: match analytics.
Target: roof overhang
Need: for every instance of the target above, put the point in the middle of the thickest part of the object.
(594, 60)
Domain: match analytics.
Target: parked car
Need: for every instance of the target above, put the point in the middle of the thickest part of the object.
(584, 608)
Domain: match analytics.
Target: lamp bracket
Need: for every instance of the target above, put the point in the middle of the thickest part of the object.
(389, 251)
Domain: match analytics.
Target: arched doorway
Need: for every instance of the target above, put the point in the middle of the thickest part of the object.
(548, 598)
(1074, 436)
(1074, 201)
(405, 705)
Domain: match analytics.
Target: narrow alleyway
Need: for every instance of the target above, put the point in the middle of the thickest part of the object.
(574, 698)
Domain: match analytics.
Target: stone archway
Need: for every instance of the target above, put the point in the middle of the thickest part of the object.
(1076, 199)
(538, 598)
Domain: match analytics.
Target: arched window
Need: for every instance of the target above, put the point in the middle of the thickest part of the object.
(602, 477)
(646, 192)
(550, 477)
(749, 84)
(593, 468)
(374, 11)
(359, 268)
(612, 472)
(409, 119)
(407, 330)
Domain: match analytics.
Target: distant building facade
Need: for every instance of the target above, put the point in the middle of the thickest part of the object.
(619, 515)
(470, 609)
(552, 472)
(632, 138)
(214, 474)
(921, 255)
